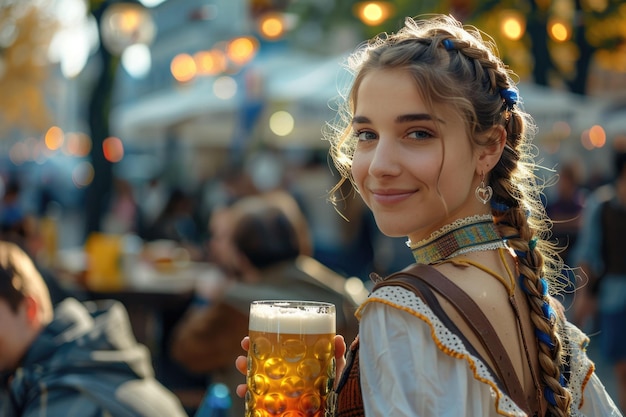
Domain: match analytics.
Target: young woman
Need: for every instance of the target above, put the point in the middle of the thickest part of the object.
(435, 141)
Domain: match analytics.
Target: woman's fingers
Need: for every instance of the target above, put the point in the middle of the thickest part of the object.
(340, 355)
(245, 343)
(241, 364)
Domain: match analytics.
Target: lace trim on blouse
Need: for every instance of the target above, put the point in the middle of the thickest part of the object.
(581, 366)
(450, 344)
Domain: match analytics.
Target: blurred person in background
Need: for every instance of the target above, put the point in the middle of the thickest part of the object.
(177, 222)
(270, 247)
(72, 360)
(123, 215)
(566, 207)
(601, 255)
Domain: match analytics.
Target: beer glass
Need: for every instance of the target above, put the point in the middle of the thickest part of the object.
(291, 360)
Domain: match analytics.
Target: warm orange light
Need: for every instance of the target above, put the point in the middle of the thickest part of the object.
(559, 30)
(242, 50)
(373, 13)
(54, 138)
(78, 144)
(597, 136)
(210, 62)
(183, 67)
(113, 149)
(561, 129)
(513, 25)
(585, 140)
(272, 26)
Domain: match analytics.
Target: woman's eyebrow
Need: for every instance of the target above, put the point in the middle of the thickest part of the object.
(360, 119)
(416, 117)
(412, 117)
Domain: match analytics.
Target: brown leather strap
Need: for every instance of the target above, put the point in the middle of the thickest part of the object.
(473, 317)
(423, 290)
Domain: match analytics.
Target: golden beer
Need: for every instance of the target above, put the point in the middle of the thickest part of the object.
(291, 360)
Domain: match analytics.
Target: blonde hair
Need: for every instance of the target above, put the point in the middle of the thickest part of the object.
(459, 66)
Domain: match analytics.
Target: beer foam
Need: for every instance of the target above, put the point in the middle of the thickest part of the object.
(277, 318)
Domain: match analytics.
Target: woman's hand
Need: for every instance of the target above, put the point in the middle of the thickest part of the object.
(241, 363)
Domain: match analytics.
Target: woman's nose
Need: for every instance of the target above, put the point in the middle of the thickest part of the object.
(385, 159)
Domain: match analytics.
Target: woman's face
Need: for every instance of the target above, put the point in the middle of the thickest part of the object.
(414, 168)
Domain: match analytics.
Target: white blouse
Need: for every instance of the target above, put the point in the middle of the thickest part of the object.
(431, 374)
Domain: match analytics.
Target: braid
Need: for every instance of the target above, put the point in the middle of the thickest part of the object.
(516, 188)
(457, 66)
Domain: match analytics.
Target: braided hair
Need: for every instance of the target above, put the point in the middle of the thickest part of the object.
(459, 66)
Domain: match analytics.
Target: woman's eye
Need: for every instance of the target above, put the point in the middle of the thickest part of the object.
(420, 134)
(365, 135)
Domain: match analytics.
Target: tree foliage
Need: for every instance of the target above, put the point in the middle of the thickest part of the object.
(27, 28)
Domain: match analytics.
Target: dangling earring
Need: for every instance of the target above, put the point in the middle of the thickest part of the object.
(483, 192)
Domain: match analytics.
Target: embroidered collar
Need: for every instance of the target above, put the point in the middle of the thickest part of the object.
(470, 234)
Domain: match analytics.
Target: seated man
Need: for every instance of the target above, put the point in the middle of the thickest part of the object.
(270, 243)
(78, 360)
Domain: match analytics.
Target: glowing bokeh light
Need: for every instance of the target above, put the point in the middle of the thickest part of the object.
(54, 138)
(78, 144)
(512, 26)
(281, 123)
(242, 50)
(136, 60)
(83, 174)
(373, 13)
(225, 87)
(559, 31)
(183, 68)
(210, 62)
(113, 149)
(585, 140)
(272, 26)
(18, 154)
(597, 136)
(561, 129)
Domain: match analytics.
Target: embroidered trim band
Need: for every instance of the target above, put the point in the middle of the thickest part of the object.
(471, 234)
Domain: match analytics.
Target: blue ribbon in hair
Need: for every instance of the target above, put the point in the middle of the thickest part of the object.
(544, 338)
(548, 311)
(510, 96)
(544, 286)
(549, 394)
(499, 206)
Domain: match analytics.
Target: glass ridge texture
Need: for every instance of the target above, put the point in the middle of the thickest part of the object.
(291, 360)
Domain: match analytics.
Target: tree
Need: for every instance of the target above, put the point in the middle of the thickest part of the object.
(594, 32)
(27, 28)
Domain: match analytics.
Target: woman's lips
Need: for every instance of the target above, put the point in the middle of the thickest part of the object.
(391, 196)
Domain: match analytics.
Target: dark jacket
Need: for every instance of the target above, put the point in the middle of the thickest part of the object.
(87, 363)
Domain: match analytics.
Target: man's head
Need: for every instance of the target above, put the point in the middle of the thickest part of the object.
(269, 228)
(25, 305)
(266, 236)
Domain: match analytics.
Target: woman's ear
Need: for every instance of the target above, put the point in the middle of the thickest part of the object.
(33, 315)
(490, 153)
